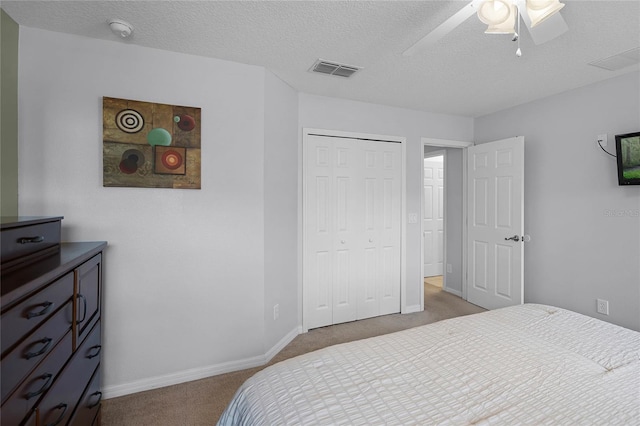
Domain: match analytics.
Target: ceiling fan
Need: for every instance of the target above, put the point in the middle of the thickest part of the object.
(541, 17)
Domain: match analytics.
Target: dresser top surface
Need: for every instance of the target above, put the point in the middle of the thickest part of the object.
(7, 222)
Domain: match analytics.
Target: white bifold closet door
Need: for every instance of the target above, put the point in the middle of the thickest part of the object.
(352, 226)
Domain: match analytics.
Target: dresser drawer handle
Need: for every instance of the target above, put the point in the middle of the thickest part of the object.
(46, 341)
(44, 387)
(98, 347)
(95, 404)
(46, 308)
(84, 308)
(27, 240)
(62, 407)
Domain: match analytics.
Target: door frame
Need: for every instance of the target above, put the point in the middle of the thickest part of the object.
(445, 143)
(306, 132)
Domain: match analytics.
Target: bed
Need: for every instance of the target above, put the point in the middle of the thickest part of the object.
(527, 364)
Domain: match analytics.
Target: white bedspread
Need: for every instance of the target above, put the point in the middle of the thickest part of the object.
(528, 364)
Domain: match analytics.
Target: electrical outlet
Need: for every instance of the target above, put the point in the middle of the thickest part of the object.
(276, 312)
(449, 268)
(602, 306)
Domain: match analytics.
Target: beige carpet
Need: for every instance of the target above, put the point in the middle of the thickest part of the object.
(201, 402)
(435, 280)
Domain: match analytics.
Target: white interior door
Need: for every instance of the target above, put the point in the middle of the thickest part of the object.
(433, 220)
(495, 184)
(352, 226)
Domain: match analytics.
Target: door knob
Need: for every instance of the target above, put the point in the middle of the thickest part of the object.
(370, 240)
(514, 238)
(342, 241)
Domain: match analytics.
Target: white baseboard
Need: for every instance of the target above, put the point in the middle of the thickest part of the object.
(413, 308)
(197, 373)
(281, 344)
(452, 291)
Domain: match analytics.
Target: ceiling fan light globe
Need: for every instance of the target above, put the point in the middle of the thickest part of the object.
(494, 12)
(506, 27)
(539, 15)
(496, 29)
(538, 4)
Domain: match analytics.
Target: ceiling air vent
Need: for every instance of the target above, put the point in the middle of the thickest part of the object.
(333, 68)
(621, 60)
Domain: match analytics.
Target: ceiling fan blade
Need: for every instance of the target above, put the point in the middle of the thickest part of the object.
(551, 28)
(442, 30)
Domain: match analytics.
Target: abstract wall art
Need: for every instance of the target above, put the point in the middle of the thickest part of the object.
(150, 145)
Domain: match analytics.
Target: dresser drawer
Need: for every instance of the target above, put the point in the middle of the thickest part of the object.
(18, 363)
(89, 404)
(21, 319)
(20, 403)
(22, 239)
(59, 402)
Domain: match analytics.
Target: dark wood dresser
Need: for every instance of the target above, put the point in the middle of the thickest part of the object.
(51, 295)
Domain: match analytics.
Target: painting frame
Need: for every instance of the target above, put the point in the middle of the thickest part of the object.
(150, 145)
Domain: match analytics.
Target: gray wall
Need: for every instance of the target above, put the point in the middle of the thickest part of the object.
(280, 209)
(454, 218)
(9, 116)
(585, 229)
(351, 116)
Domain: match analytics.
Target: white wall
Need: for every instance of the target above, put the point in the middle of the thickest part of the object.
(339, 114)
(280, 209)
(185, 270)
(585, 229)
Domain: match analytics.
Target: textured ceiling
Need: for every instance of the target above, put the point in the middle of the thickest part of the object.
(467, 73)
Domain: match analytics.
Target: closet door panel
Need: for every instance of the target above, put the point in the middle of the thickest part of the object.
(318, 233)
(369, 288)
(346, 203)
(389, 231)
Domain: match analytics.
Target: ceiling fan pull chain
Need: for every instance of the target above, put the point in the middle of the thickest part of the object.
(518, 52)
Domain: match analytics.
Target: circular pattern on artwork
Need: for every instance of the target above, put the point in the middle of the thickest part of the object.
(159, 136)
(186, 122)
(171, 159)
(131, 160)
(129, 121)
(134, 155)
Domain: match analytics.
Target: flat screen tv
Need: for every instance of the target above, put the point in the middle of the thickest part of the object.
(628, 157)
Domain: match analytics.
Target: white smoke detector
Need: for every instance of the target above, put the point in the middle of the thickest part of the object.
(120, 28)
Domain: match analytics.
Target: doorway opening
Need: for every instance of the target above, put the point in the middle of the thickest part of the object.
(453, 207)
(433, 217)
